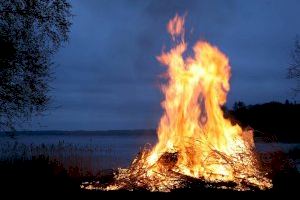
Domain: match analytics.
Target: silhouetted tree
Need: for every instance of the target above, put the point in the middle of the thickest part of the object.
(294, 68)
(238, 105)
(270, 119)
(287, 102)
(31, 31)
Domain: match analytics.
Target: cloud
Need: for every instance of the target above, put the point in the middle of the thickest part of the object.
(108, 76)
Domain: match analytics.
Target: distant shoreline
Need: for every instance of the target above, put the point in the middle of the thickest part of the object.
(134, 132)
(82, 132)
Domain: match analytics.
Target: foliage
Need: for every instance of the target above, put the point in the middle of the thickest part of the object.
(270, 120)
(31, 31)
(294, 68)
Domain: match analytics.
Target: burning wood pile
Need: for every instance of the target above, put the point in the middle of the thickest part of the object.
(138, 178)
(196, 144)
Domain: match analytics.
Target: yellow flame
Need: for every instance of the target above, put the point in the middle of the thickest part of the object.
(193, 123)
(194, 138)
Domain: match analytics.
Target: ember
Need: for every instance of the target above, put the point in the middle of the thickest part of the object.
(195, 142)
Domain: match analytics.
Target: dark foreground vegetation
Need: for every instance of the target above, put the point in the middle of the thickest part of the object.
(40, 175)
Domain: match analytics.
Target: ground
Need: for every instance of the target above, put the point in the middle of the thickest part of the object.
(40, 175)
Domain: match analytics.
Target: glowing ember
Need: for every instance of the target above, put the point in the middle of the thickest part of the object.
(195, 140)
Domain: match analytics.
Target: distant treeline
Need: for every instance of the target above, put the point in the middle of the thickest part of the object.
(281, 120)
(274, 121)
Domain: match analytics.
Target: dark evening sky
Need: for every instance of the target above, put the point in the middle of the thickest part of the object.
(107, 76)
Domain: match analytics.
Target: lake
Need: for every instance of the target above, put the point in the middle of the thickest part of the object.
(92, 150)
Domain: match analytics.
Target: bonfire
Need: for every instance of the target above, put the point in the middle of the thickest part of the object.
(195, 142)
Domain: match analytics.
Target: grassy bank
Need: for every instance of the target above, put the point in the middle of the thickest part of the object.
(42, 175)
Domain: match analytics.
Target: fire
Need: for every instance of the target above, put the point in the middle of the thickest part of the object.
(176, 27)
(193, 122)
(194, 138)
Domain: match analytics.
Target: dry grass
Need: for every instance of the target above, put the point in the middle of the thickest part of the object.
(77, 159)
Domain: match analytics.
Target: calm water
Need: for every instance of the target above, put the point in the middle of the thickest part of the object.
(92, 150)
(89, 150)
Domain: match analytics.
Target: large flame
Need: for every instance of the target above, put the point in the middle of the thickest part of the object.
(194, 138)
(208, 145)
(193, 123)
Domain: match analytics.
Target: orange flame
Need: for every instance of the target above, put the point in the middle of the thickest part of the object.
(194, 138)
(176, 26)
(193, 124)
